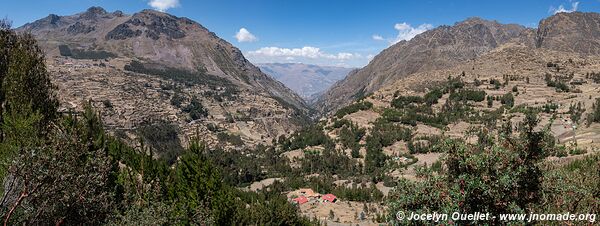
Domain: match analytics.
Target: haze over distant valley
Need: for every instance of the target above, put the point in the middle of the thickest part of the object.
(307, 80)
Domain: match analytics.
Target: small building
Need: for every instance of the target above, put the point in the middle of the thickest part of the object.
(300, 200)
(329, 198)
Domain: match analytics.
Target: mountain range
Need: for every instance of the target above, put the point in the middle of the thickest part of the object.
(446, 46)
(309, 81)
(183, 64)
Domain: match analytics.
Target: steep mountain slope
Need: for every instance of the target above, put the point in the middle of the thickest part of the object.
(571, 32)
(159, 38)
(309, 81)
(171, 74)
(439, 48)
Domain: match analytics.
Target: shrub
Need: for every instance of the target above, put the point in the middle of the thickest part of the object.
(496, 83)
(403, 101)
(433, 96)
(508, 100)
(468, 95)
(177, 99)
(230, 138)
(84, 54)
(594, 115)
(195, 109)
(549, 107)
(360, 106)
(163, 138)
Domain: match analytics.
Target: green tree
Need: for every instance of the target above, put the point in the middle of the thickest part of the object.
(59, 178)
(594, 116)
(508, 100)
(24, 82)
(500, 177)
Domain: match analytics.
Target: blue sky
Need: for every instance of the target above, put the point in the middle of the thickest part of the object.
(332, 32)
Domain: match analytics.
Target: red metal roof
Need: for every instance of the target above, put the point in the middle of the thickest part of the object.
(300, 200)
(329, 197)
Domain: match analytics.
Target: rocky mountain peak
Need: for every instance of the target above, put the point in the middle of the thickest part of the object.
(474, 20)
(94, 13)
(150, 23)
(96, 10)
(52, 19)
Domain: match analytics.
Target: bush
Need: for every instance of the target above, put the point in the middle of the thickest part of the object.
(556, 83)
(360, 106)
(230, 138)
(85, 54)
(309, 136)
(163, 138)
(351, 135)
(496, 83)
(177, 99)
(508, 100)
(195, 109)
(594, 76)
(404, 101)
(433, 96)
(549, 108)
(468, 95)
(594, 116)
(575, 112)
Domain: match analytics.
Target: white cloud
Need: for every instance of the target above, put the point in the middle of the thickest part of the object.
(305, 52)
(407, 32)
(377, 38)
(243, 35)
(163, 5)
(562, 9)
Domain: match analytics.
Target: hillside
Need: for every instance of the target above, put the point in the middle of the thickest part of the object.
(446, 46)
(399, 140)
(309, 81)
(152, 71)
(439, 48)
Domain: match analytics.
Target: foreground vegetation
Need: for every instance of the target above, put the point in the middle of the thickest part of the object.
(506, 174)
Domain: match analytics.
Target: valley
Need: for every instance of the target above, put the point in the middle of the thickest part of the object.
(170, 124)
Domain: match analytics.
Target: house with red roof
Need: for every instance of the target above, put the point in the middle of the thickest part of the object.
(300, 200)
(329, 198)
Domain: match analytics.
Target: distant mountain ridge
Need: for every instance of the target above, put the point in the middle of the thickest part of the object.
(307, 80)
(445, 46)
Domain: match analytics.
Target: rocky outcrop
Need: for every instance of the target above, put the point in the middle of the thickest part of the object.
(122, 32)
(80, 28)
